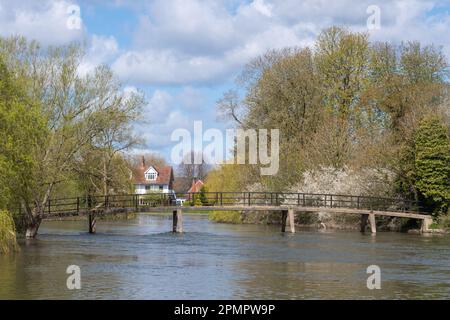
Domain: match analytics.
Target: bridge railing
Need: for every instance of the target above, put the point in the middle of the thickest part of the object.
(74, 206)
(300, 199)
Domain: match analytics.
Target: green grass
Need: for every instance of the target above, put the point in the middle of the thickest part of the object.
(166, 213)
(8, 240)
(233, 217)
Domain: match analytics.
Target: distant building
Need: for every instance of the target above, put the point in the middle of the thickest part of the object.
(196, 186)
(183, 186)
(152, 179)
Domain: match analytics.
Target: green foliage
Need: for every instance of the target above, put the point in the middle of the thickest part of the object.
(432, 162)
(8, 242)
(22, 129)
(203, 198)
(444, 222)
(348, 103)
(233, 217)
(198, 202)
(64, 132)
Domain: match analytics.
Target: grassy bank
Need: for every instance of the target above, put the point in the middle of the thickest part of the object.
(226, 216)
(8, 241)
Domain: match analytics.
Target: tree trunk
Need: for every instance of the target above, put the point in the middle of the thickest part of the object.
(32, 223)
(32, 228)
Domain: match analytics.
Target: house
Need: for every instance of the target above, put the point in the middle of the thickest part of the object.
(152, 179)
(196, 186)
(183, 186)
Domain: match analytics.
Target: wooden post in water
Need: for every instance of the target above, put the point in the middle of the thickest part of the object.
(177, 226)
(175, 221)
(92, 223)
(364, 219)
(291, 219)
(284, 215)
(373, 225)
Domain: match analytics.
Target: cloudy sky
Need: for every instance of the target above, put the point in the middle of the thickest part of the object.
(185, 53)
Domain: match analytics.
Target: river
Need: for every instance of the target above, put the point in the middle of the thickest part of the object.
(142, 259)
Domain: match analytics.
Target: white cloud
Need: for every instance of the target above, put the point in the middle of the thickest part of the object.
(181, 42)
(166, 112)
(101, 50)
(45, 21)
(197, 41)
(262, 7)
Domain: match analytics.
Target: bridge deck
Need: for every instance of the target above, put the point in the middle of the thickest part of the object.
(410, 215)
(285, 203)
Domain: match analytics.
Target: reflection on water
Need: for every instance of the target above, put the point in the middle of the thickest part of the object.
(141, 259)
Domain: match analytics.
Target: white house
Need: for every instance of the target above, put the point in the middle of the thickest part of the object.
(149, 179)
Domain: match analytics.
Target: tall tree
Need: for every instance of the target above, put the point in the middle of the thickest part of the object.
(76, 109)
(432, 162)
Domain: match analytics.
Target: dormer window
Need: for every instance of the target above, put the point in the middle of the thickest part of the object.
(151, 176)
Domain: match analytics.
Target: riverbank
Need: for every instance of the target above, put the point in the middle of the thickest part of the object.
(322, 220)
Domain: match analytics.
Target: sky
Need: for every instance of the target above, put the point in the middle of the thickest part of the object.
(184, 54)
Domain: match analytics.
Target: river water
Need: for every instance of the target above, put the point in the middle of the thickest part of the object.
(142, 259)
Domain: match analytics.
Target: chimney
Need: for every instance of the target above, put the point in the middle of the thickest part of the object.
(143, 162)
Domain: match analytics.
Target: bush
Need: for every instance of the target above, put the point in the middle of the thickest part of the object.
(432, 162)
(444, 222)
(233, 217)
(8, 241)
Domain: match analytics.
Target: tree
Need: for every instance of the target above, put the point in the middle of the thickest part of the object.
(432, 162)
(150, 159)
(347, 104)
(190, 170)
(203, 198)
(22, 128)
(82, 113)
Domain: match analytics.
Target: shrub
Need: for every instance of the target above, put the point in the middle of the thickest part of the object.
(432, 150)
(233, 217)
(8, 241)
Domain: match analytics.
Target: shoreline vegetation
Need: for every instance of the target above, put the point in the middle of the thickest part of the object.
(8, 239)
(355, 117)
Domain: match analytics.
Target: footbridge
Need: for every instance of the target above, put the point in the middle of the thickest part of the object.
(287, 204)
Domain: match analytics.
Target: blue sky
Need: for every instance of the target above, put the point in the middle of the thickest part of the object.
(185, 53)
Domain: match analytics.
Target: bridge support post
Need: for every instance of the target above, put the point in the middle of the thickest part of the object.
(92, 223)
(177, 221)
(364, 219)
(284, 215)
(291, 219)
(373, 224)
(368, 219)
(426, 224)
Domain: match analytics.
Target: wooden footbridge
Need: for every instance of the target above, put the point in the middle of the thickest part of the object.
(284, 203)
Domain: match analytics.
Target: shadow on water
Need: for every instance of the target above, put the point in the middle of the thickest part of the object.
(142, 259)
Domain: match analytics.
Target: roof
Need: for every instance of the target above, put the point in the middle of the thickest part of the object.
(196, 186)
(165, 174)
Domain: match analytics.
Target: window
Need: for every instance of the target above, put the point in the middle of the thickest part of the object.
(151, 176)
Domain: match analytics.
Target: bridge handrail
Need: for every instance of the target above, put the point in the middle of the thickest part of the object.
(89, 202)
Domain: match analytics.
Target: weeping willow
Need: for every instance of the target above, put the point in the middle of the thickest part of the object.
(8, 241)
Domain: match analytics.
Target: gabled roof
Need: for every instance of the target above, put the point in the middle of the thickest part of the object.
(196, 186)
(165, 174)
